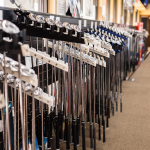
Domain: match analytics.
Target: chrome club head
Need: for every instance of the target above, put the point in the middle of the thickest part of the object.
(7, 61)
(9, 27)
(27, 71)
(40, 19)
(10, 79)
(50, 21)
(28, 87)
(38, 91)
(2, 76)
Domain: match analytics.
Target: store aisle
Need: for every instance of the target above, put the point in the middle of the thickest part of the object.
(129, 130)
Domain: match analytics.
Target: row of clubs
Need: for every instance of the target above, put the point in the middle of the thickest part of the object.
(14, 66)
(126, 31)
(85, 56)
(12, 80)
(39, 21)
(103, 43)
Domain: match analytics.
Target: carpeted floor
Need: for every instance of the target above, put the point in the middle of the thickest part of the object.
(129, 130)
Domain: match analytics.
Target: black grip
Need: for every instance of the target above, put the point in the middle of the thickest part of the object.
(74, 134)
(101, 105)
(104, 140)
(73, 131)
(67, 134)
(49, 141)
(91, 137)
(83, 136)
(57, 133)
(78, 130)
(94, 132)
(69, 131)
(51, 125)
(108, 109)
(107, 122)
(99, 129)
(61, 126)
(105, 107)
(1, 136)
(88, 118)
(46, 122)
(116, 96)
(65, 131)
(102, 120)
(30, 126)
(40, 130)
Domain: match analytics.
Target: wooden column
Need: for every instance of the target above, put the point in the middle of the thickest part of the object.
(52, 4)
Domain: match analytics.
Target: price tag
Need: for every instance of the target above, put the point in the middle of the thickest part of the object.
(95, 25)
(80, 24)
(52, 17)
(1, 125)
(2, 101)
(85, 23)
(91, 24)
(28, 61)
(58, 18)
(13, 112)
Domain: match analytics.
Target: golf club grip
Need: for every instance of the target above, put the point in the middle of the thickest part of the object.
(116, 101)
(67, 134)
(94, 130)
(108, 109)
(69, 131)
(99, 129)
(51, 125)
(78, 130)
(30, 127)
(1, 132)
(105, 107)
(104, 140)
(73, 130)
(46, 127)
(101, 105)
(74, 135)
(107, 123)
(61, 130)
(102, 120)
(79, 125)
(83, 136)
(57, 133)
(91, 137)
(40, 130)
(49, 141)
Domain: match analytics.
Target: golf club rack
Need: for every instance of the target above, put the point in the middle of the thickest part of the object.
(59, 78)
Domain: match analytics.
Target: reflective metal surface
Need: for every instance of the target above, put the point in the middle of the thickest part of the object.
(50, 21)
(9, 27)
(38, 91)
(40, 19)
(27, 71)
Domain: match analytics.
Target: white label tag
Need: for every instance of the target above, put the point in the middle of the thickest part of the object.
(58, 18)
(95, 25)
(120, 97)
(13, 113)
(28, 61)
(2, 101)
(34, 59)
(80, 24)
(85, 23)
(52, 17)
(91, 24)
(1, 125)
